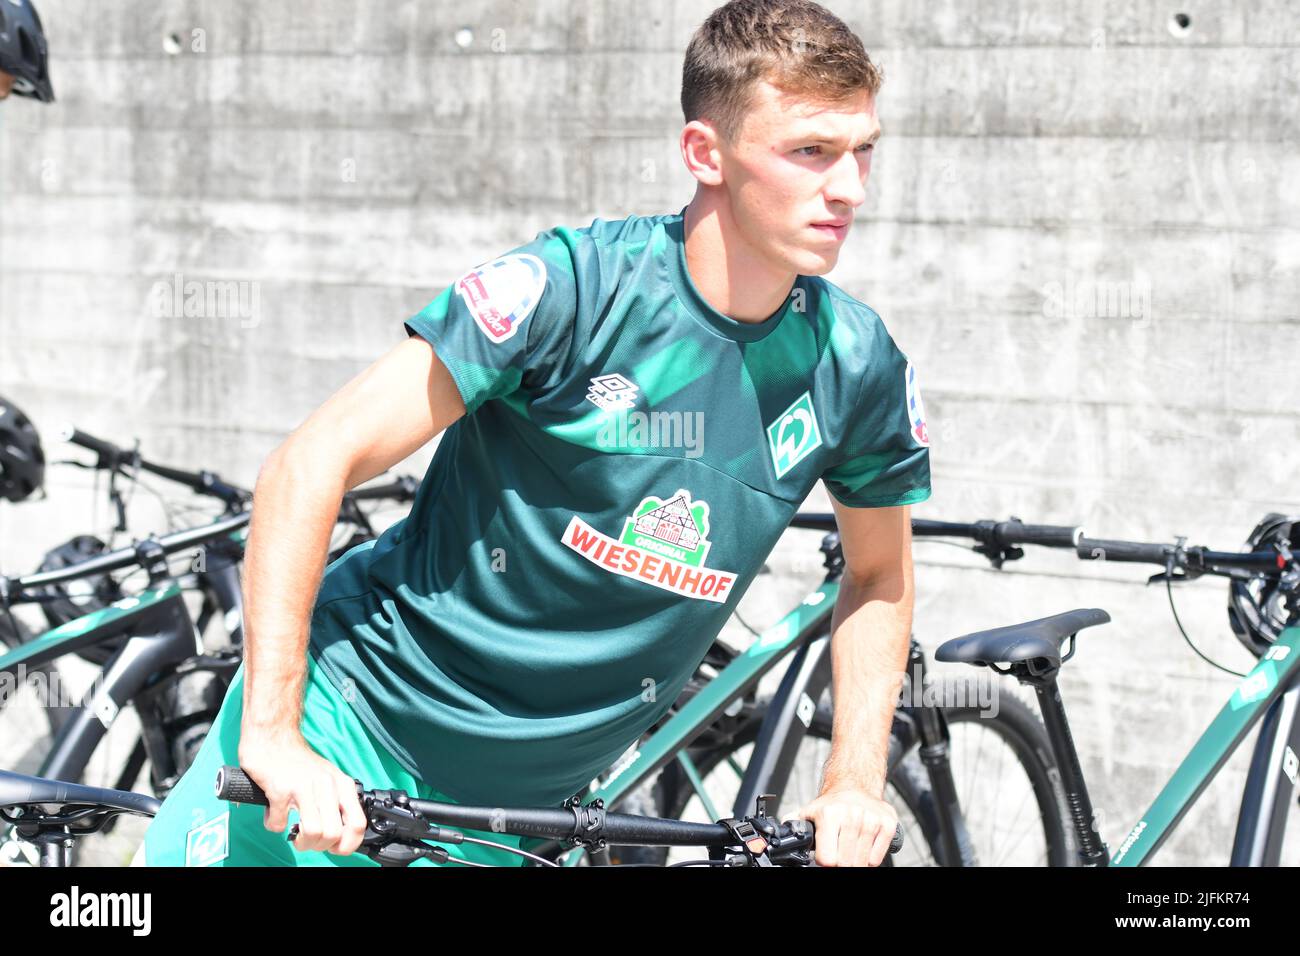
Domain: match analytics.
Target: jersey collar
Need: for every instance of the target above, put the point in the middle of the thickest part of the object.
(697, 305)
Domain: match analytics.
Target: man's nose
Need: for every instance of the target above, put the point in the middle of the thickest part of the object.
(847, 184)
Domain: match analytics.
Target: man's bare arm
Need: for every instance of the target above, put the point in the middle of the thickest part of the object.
(379, 418)
(870, 627)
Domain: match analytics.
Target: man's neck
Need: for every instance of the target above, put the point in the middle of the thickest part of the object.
(726, 270)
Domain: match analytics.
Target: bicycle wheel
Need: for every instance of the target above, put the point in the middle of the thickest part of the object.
(1001, 764)
(1008, 786)
(722, 770)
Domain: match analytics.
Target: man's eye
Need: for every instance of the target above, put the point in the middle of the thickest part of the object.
(803, 150)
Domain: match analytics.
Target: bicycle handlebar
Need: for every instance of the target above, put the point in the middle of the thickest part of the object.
(1004, 533)
(998, 540)
(13, 588)
(109, 454)
(393, 817)
(113, 457)
(1100, 549)
(1196, 559)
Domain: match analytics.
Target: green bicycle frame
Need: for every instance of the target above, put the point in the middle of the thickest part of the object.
(1268, 680)
(83, 631)
(733, 681)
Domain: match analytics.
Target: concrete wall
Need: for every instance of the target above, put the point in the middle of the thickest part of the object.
(344, 161)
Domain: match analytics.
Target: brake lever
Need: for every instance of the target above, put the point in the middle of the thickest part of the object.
(1190, 563)
(395, 834)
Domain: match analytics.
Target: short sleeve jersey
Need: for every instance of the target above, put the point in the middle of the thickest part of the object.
(628, 458)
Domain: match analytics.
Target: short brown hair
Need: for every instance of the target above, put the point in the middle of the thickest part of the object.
(796, 45)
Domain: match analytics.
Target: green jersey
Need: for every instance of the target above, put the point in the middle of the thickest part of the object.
(628, 458)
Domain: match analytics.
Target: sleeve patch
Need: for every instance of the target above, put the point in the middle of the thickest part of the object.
(503, 293)
(916, 408)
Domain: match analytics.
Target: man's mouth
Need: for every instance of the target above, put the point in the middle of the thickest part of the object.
(834, 228)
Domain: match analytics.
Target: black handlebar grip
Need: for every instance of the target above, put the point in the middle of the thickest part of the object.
(105, 449)
(224, 490)
(1046, 535)
(1098, 549)
(190, 479)
(238, 787)
(895, 844)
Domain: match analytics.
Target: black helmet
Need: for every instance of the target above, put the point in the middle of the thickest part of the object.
(23, 51)
(67, 602)
(22, 463)
(1259, 609)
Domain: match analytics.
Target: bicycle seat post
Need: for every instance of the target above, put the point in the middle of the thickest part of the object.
(1092, 849)
(1033, 653)
(54, 843)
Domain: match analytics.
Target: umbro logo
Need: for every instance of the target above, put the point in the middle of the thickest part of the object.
(612, 392)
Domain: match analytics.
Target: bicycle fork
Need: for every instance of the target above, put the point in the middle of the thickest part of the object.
(954, 846)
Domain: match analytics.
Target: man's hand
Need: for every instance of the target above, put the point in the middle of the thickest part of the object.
(379, 418)
(853, 828)
(330, 817)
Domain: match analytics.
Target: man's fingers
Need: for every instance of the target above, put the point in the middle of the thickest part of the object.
(828, 836)
(311, 822)
(331, 818)
(354, 819)
(276, 817)
(880, 845)
(851, 833)
(849, 841)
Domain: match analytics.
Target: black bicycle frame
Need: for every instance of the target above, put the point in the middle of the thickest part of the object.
(156, 634)
(1270, 785)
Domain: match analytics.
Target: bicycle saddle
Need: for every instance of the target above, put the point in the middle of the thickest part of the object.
(1040, 639)
(17, 789)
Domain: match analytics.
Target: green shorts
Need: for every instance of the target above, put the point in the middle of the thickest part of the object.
(194, 828)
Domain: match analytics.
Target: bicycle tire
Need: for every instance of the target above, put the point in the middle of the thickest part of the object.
(1016, 726)
(906, 785)
(1021, 731)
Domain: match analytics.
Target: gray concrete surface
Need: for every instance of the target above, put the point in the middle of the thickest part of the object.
(1081, 226)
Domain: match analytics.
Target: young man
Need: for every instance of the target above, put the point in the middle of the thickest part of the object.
(24, 59)
(560, 576)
